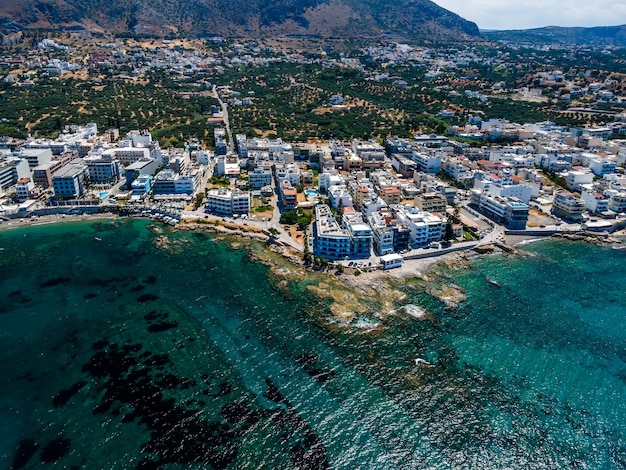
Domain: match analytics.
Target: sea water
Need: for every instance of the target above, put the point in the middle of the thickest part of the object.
(129, 345)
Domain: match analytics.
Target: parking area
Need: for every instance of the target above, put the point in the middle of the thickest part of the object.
(472, 220)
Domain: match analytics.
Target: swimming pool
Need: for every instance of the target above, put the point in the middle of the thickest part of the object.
(103, 194)
(311, 193)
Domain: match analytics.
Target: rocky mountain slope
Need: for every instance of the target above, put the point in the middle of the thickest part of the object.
(417, 19)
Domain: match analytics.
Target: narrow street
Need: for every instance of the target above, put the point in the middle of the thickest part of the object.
(231, 142)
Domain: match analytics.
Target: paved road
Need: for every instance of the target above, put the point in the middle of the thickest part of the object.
(469, 215)
(496, 235)
(231, 142)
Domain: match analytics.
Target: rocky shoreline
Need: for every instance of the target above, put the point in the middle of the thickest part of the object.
(350, 292)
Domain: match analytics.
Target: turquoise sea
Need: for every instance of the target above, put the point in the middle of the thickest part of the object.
(150, 348)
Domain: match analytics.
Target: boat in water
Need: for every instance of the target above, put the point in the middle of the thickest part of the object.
(419, 361)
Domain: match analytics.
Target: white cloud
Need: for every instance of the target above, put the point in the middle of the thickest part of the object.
(524, 14)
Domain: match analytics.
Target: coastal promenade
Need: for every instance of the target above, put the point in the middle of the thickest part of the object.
(266, 228)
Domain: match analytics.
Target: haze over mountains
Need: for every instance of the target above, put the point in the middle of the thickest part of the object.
(416, 19)
(596, 36)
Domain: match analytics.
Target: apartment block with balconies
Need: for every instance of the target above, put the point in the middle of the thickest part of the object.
(568, 207)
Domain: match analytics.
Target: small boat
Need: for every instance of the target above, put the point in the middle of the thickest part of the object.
(493, 283)
(419, 361)
(98, 239)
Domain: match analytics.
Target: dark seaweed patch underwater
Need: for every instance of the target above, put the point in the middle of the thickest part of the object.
(123, 355)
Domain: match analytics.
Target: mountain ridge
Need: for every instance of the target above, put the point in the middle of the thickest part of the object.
(585, 36)
(416, 19)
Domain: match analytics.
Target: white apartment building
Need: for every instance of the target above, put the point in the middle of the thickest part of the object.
(360, 235)
(227, 165)
(288, 173)
(372, 204)
(168, 182)
(617, 200)
(568, 207)
(454, 168)
(601, 167)
(382, 233)
(594, 200)
(330, 240)
(507, 210)
(228, 202)
(34, 156)
(24, 189)
(12, 170)
(522, 192)
(577, 178)
(127, 155)
(259, 177)
(370, 146)
(424, 227)
(427, 163)
(338, 196)
(138, 139)
(328, 179)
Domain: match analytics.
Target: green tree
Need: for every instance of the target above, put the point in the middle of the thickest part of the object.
(198, 200)
(289, 217)
(449, 235)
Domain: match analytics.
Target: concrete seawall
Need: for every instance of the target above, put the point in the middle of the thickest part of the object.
(444, 251)
(533, 233)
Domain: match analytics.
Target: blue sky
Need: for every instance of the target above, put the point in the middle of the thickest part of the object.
(525, 14)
